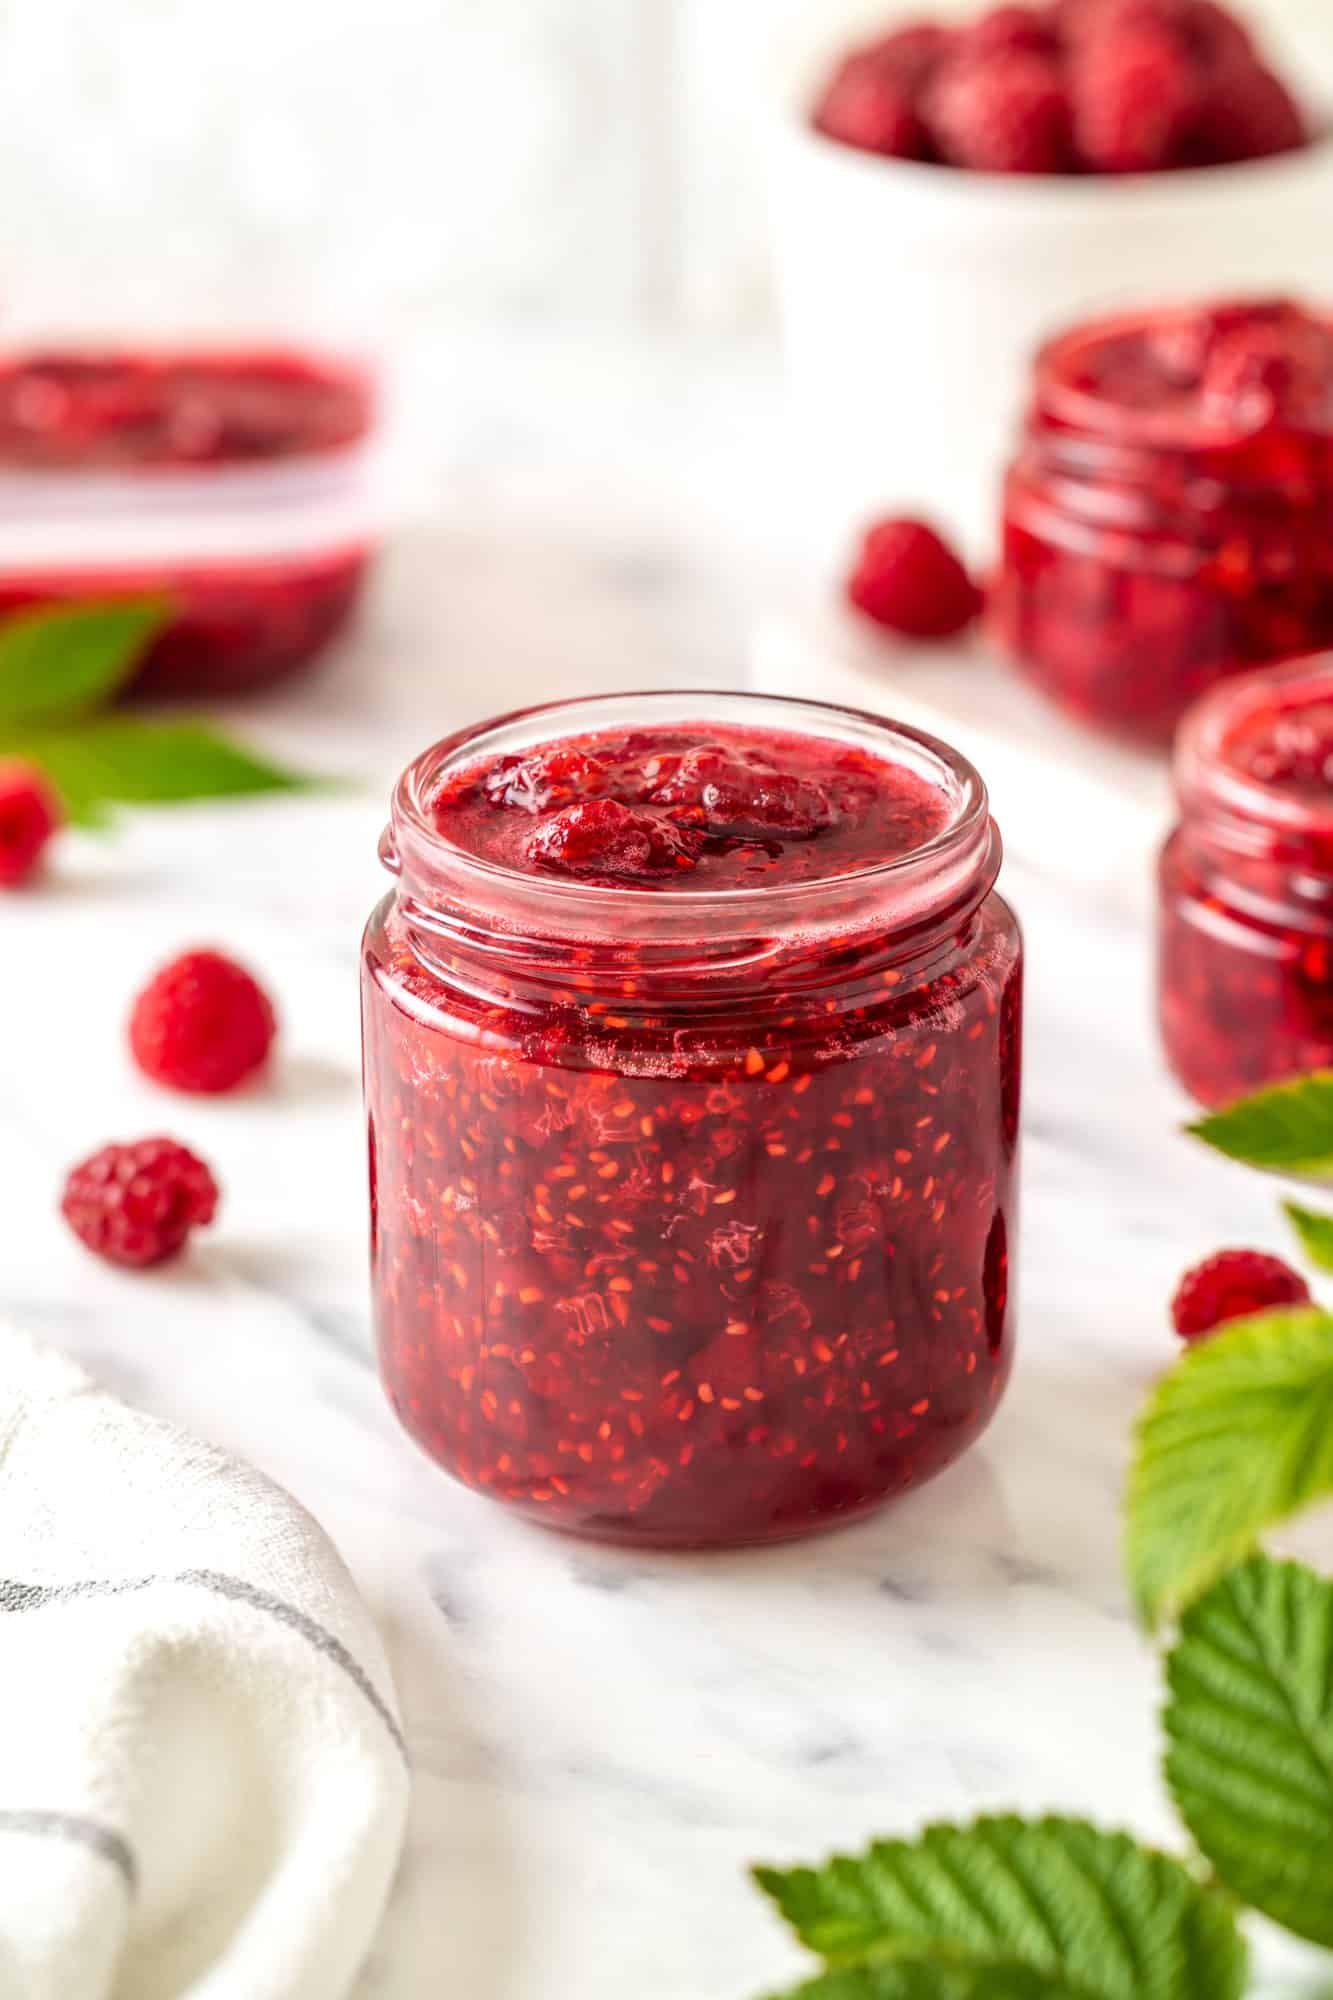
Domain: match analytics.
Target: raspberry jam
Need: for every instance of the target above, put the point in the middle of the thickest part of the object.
(1167, 518)
(229, 480)
(692, 1049)
(1246, 879)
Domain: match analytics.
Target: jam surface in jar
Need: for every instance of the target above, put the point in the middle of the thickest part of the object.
(173, 473)
(692, 1053)
(1246, 887)
(1167, 517)
(84, 410)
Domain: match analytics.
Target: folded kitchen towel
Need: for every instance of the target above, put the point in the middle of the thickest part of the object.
(202, 1777)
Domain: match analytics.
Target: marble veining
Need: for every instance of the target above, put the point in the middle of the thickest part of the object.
(603, 1741)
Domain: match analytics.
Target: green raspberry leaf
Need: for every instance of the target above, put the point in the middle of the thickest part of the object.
(60, 661)
(936, 1979)
(1029, 1909)
(1238, 1437)
(1250, 1728)
(1286, 1130)
(125, 760)
(1315, 1232)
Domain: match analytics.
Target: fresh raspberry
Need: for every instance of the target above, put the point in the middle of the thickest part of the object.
(910, 580)
(1248, 114)
(604, 837)
(872, 109)
(29, 815)
(136, 1204)
(202, 1024)
(911, 51)
(1136, 95)
(1006, 113)
(873, 99)
(1008, 30)
(1232, 1285)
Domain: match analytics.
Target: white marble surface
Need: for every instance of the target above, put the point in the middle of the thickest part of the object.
(602, 1741)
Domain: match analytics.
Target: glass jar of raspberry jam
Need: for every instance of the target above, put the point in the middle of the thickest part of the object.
(692, 1047)
(1167, 518)
(236, 482)
(1246, 882)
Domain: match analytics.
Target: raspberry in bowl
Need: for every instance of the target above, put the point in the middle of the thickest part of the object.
(692, 1050)
(238, 482)
(1165, 518)
(1245, 960)
(943, 201)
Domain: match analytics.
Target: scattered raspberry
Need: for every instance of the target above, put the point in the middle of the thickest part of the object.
(1249, 114)
(908, 579)
(744, 799)
(873, 109)
(603, 837)
(1231, 1285)
(136, 1204)
(202, 1024)
(1136, 97)
(29, 815)
(1007, 113)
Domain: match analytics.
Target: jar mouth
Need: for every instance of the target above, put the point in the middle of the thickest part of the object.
(901, 887)
(1206, 778)
(1177, 425)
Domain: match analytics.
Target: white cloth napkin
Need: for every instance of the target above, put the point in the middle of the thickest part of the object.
(202, 1778)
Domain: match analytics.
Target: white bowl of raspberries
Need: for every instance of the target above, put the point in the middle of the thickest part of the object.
(944, 197)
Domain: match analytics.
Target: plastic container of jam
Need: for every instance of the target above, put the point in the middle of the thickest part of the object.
(692, 1054)
(1168, 519)
(1246, 886)
(239, 482)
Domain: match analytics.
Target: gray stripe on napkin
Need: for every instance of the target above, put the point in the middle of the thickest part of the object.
(16, 1596)
(113, 1847)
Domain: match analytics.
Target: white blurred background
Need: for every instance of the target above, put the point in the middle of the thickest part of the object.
(393, 168)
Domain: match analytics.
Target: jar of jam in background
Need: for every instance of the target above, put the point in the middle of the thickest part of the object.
(692, 1051)
(1168, 519)
(1246, 882)
(235, 481)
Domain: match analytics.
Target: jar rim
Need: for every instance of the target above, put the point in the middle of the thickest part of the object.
(1205, 779)
(903, 887)
(1178, 427)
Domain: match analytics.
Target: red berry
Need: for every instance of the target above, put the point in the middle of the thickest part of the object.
(604, 837)
(911, 51)
(136, 1204)
(202, 1024)
(29, 815)
(873, 108)
(1009, 30)
(1248, 114)
(1136, 95)
(910, 580)
(1006, 113)
(1232, 1285)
